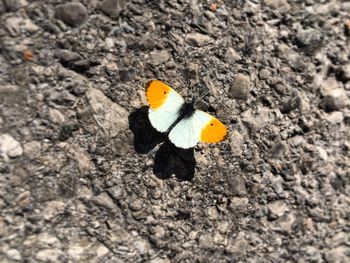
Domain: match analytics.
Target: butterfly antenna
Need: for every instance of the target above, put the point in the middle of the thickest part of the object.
(206, 94)
(190, 93)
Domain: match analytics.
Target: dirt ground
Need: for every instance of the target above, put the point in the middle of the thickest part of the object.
(85, 178)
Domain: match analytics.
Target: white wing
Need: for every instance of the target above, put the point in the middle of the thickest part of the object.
(165, 115)
(187, 133)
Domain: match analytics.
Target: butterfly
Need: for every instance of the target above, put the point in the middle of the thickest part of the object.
(185, 125)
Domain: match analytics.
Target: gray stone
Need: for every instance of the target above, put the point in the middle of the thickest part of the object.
(109, 43)
(56, 116)
(223, 227)
(46, 239)
(309, 40)
(136, 205)
(240, 87)
(142, 246)
(2, 8)
(116, 192)
(231, 56)
(336, 99)
(111, 118)
(318, 214)
(14, 254)
(322, 153)
(32, 149)
(326, 85)
(296, 141)
(17, 24)
(313, 254)
(293, 58)
(48, 255)
(264, 74)
(213, 213)
(277, 209)
(345, 6)
(73, 14)
(279, 85)
(239, 246)
(191, 72)
(52, 209)
(251, 8)
(335, 117)
(104, 200)
(236, 143)
(63, 98)
(102, 250)
(9, 147)
(42, 240)
(338, 255)
(303, 102)
(67, 55)
(278, 150)
(14, 5)
(277, 185)
(2, 205)
(193, 235)
(197, 39)
(256, 119)
(280, 5)
(126, 74)
(159, 260)
(219, 239)
(239, 202)
(346, 70)
(112, 8)
(286, 222)
(237, 184)
(290, 103)
(334, 95)
(206, 241)
(159, 57)
(81, 156)
(4, 231)
(159, 232)
(340, 238)
(76, 250)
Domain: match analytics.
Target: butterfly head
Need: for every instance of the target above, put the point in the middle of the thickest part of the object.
(187, 109)
(192, 101)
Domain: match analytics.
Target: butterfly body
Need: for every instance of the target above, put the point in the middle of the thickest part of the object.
(186, 111)
(184, 124)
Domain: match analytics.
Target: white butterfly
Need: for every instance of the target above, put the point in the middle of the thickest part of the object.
(185, 125)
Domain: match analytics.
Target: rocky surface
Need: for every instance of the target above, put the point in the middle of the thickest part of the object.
(80, 179)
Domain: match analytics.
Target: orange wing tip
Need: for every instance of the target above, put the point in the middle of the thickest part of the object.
(148, 84)
(214, 131)
(225, 135)
(156, 93)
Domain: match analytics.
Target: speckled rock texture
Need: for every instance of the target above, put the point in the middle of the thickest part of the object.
(85, 178)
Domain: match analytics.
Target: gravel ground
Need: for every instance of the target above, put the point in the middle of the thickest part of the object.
(82, 178)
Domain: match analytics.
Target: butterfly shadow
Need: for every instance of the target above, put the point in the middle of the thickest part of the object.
(169, 159)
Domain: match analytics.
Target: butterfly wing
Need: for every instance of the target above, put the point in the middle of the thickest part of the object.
(165, 104)
(200, 127)
(185, 134)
